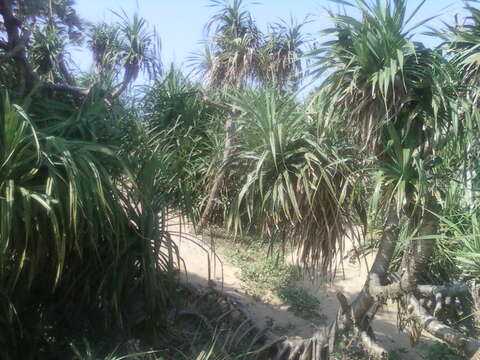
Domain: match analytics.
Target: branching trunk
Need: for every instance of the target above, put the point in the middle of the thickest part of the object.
(129, 76)
(222, 172)
(16, 41)
(419, 251)
(355, 317)
(350, 318)
(15, 49)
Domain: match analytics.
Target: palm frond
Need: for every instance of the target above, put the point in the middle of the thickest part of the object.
(290, 183)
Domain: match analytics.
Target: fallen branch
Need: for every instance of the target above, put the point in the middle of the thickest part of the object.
(454, 338)
(444, 290)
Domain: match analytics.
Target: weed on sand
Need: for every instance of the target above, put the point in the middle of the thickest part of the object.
(265, 273)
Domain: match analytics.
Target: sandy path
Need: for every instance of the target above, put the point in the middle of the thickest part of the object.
(207, 265)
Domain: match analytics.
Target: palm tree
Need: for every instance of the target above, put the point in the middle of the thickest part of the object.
(235, 41)
(282, 55)
(104, 42)
(461, 44)
(396, 99)
(239, 55)
(138, 51)
(393, 95)
(289, 177)
(231, 63)
(126, 46)
(461, 47)
(62, 225)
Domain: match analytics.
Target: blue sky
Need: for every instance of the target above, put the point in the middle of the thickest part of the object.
(180, 22)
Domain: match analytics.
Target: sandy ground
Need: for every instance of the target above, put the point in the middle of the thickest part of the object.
(207, 265)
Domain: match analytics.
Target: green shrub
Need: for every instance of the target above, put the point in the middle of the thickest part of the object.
(75, 237)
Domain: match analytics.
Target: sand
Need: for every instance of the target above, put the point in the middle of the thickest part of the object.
(208, 266)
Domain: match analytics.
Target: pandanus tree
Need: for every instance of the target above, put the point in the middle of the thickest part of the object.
(290, 176)
(231, 63)
(461, 46)
(79, 231)
(41, 58)
(282, 55)
(397, 100)
(240, 55)
(121, 51)
(235, 41)
(138, 50)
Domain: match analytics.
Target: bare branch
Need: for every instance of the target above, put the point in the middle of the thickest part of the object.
(65, 87)
(432, 325)
(444, 290)
(398, 288)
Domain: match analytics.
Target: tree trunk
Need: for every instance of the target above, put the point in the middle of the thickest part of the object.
(219, 178)
(349, 317)
(16, 47)
(416, 256)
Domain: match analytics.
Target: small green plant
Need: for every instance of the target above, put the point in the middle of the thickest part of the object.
(88, 353)
(264, 273)
(302, 304)
(394, 355)
(261, 273)
(441, 351)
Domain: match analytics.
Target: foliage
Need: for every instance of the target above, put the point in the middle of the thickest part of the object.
(382, 79)
(460, 242)
(262, 273)
(239, 54)
(282, 55)
(222, 346)
(265, 272)
(233, 46)
(127, 45)
(183, 127)
(291, 181)
(87, 353)
(68, 235)
(441, 351)
(460, 41)
(88, 178)
(302, 304)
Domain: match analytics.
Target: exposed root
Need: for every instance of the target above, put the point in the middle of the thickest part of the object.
(372, 347)
(355, 317)
(314, 348)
